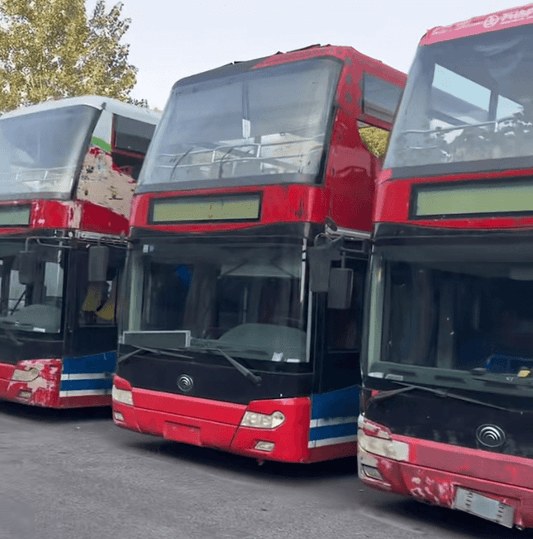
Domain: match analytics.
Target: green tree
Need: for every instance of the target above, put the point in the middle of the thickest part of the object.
(376, 140)
(49, 49)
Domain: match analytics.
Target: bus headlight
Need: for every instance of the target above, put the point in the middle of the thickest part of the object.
(262, 421)
(122, 395)
(25, 376)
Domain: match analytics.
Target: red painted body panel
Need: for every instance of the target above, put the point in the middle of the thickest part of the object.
(494, 22)
(393, 200)
(77, 215)
(433, 471)
(216, 424)
(287, 203)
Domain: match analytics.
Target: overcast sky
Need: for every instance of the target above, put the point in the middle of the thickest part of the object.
(172, 39)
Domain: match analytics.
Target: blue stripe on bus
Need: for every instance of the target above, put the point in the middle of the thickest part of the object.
(340, 403)
(77, 385)
(333, 431)
(105, 362)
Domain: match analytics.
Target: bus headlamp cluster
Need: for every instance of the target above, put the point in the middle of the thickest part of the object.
(122, 395)
(25, 376)
(262, 421)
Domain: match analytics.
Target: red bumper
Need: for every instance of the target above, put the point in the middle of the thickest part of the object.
(35, 382)
(432, 472)
(216, 424)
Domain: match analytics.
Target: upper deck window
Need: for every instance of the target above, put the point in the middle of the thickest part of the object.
(132, 135)
(40, 152)
(468, 100)
(380, 99)
(266, 125)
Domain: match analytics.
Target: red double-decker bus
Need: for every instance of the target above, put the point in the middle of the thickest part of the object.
(447, 370)
(225, 342)
(67, 175)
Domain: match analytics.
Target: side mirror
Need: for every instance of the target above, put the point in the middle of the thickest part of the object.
(340, 288)
(27, 264)
(320, 259)
(98, 262)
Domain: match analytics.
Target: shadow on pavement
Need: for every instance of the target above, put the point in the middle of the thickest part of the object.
(36, 413)
(245, 465)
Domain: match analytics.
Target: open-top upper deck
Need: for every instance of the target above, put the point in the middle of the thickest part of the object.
(71, 163)
(278, 134)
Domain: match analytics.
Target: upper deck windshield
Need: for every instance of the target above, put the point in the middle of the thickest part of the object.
(453, 315)
(41, 151)
(468, 105)
(266, 125)
(243, 298)
(31, 292)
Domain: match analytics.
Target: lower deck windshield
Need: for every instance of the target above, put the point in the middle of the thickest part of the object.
(31, 287)
(455, 315)
(246, 299)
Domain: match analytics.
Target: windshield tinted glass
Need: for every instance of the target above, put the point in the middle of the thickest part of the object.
(39, 152)
(467, 100)
(252, 124)
(31, 288)
(243, 298)
(443, 314)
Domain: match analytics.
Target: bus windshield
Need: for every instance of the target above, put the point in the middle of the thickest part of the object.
(468, 100)
(257, 124)
(244, 298)
(40, 152)
(31, 290)
(455, 315)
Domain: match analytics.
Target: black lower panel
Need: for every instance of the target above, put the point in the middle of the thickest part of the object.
(451, 421)
(211, 381)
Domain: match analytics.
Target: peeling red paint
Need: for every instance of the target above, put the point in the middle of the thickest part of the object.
(432, 475)
(43, 390)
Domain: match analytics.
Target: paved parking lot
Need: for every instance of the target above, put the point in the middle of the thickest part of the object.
(74, 475)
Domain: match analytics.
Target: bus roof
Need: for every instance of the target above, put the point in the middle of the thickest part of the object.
(345, 53)
(494, 22)
(98, 102)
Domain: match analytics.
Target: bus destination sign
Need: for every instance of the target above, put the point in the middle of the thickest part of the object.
(472, 199)
(201, 209)
(15, 215)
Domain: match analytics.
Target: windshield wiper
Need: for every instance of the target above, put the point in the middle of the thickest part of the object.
(162, 351)
(247, 373)
(241, 368)
(173, 353)
(383, 395)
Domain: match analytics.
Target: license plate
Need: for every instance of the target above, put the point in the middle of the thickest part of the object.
(484, 507)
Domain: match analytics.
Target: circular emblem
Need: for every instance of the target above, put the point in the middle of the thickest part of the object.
(490, 435)
(185, 383)
(491, 21)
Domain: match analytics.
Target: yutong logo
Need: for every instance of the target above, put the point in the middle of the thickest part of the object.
(490, 436)
(185, 383)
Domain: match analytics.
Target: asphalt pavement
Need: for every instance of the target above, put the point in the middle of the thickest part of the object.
(75, 475)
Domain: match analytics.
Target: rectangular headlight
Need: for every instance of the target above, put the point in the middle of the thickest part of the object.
(262, 421)
(122, 395)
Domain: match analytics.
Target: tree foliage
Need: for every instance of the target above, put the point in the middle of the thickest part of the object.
(50, 49)
(376, 140)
